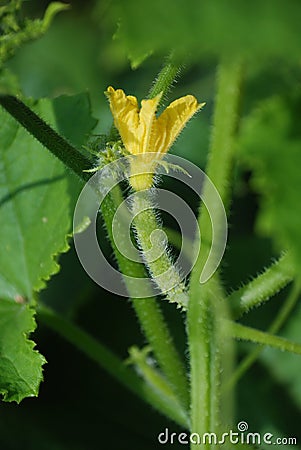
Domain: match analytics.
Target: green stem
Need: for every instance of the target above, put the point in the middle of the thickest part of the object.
(263, 287)
(276, 325)
(261, 337)
(108, 361)
(46, 135)
(139, 358)
(209, 346)
(149, 315)
(155, 254)
(165, 79)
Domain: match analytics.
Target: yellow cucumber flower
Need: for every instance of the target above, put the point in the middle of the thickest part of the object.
(145, 135)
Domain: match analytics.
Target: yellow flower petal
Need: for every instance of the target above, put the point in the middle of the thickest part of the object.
(147, 119)
(126, 118)
(172, 121)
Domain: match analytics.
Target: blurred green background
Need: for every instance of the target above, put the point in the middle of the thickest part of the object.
(124, 44)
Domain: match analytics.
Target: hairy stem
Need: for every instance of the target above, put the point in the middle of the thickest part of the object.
(108, 361)
(47, 136)
(263, 287)
(261, 337)
(165, 79)
(150, 236)
(210, 350)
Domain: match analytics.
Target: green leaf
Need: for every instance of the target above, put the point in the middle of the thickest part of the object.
(36, 197)
(20, 364)
(270, 146)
